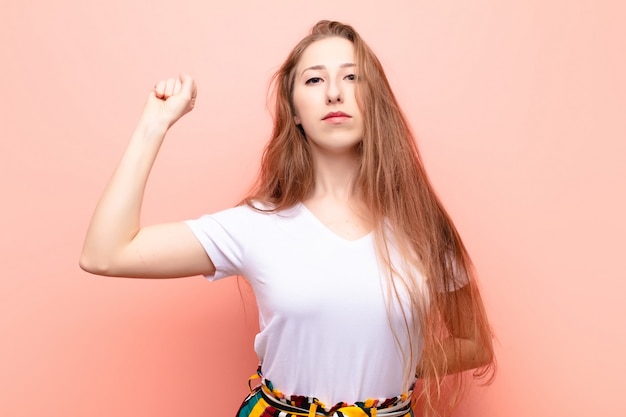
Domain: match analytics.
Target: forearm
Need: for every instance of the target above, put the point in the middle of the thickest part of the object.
(458, 355)
(116, 219)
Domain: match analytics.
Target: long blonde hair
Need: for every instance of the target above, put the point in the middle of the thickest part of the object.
(406, 211)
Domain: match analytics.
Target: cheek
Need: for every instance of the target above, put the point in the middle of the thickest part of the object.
(299, 108)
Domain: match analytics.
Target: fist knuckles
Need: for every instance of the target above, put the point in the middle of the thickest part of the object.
(167, 88)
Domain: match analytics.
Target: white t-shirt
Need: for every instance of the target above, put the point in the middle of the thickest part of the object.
(324, 327)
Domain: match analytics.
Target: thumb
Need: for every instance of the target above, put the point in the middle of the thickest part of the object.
(188, 87)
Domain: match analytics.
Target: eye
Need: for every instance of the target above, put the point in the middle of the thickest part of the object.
(313, 80)
(350, 77)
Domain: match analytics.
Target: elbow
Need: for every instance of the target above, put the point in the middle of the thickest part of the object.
(483, 355)
(476, 355)
(484, 358)
(483, 361)
(94, 265)
(88, 265)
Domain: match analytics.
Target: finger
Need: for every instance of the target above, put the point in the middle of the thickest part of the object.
(159, 89)
(169, 87)
(188, 86)
(177, 86)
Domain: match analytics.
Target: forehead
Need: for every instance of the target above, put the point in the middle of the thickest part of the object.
(328, 52)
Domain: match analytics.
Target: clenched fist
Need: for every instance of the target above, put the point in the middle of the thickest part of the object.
(170, 100)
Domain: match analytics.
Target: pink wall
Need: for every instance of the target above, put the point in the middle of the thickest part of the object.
(519, 107)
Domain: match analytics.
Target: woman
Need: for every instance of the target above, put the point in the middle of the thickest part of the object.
(362, 281)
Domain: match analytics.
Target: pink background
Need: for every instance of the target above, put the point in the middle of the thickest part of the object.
(519, 107)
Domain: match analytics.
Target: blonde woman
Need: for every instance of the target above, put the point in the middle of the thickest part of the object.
(367, 297)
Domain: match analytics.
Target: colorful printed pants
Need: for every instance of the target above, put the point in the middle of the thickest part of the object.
(265, 401)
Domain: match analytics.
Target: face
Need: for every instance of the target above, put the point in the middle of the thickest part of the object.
(323, 96)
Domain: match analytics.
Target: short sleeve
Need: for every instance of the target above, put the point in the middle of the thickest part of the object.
(223, 236)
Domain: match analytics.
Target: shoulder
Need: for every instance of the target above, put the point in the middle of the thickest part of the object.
(254, 211)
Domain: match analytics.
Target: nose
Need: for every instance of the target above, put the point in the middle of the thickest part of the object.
(334, 98)
(333, 93)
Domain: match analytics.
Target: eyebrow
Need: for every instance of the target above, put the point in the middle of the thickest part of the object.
(322, 67)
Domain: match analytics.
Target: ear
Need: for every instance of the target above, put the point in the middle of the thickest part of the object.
(296, 120)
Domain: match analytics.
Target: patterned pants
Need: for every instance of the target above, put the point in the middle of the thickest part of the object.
(265, 401)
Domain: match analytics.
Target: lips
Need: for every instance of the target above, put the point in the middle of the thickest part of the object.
(335, 114)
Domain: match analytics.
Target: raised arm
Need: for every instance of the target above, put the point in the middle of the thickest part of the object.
(115, 244)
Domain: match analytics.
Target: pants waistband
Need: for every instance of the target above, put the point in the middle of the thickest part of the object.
(398, 410)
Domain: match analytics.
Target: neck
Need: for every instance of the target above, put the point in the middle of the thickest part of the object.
(334, 175)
